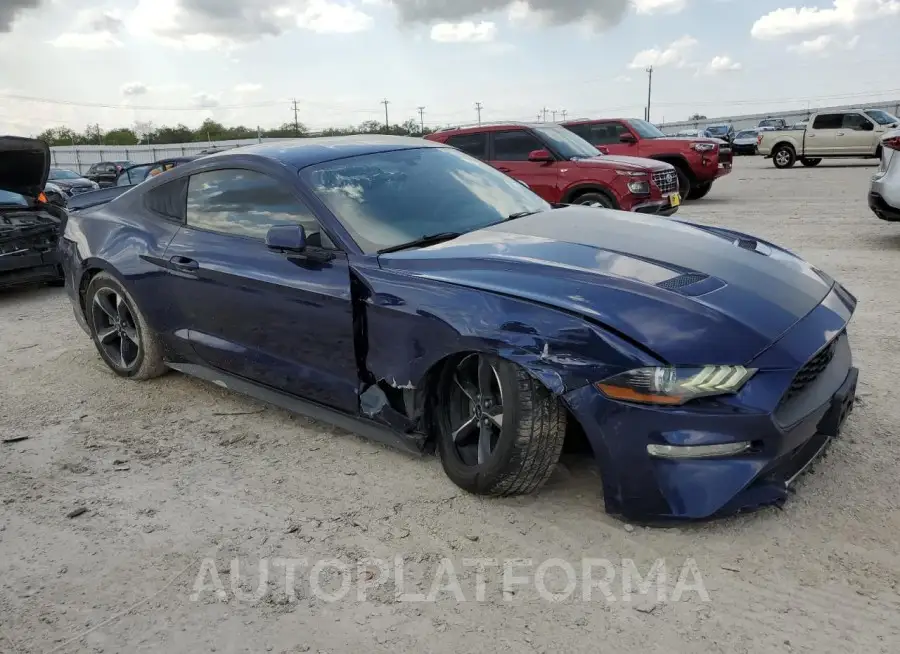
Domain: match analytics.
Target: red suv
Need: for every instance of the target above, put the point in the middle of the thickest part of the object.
(563, 168)
(699, 161)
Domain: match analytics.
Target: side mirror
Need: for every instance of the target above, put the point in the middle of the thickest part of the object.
(867, 127)
(627, 138)
(286, 238)
(540, 156)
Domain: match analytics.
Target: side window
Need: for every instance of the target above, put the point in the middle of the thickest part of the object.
(854, 121)
(515, 146)
(828, 121)
(247, 203)
(582, 129)
(474, 145)
(606, 133)
(167, 200)
(92, 170)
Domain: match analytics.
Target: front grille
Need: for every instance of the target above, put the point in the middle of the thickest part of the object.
(811, 370)
(666, 181)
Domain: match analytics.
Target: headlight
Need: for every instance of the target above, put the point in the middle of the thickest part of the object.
(703, 147)
(95, 185)
(673, 386)
(639, 188)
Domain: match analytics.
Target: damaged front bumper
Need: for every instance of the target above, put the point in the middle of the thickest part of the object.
(29, 259)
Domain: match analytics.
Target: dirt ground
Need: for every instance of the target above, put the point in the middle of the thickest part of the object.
(176, 471)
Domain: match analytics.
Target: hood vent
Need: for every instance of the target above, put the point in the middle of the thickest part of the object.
(753, 245)
(676, 283)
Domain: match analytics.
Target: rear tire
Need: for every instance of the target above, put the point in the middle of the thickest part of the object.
(120, 332)
(810, 163)
(699, 191)
(784, 157)
(495, 449)
(595, 199)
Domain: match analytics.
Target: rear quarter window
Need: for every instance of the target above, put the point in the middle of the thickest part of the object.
(168, 200)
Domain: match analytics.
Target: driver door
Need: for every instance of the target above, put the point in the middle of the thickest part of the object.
(279, 320)
(509, 152)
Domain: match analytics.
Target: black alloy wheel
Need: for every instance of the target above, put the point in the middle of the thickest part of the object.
(476, 410)
(115, 329)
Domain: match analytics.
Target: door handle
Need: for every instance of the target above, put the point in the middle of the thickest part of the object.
(840, 133)
(184, 264)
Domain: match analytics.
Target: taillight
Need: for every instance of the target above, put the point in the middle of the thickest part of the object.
(893, 143)
(759, 138)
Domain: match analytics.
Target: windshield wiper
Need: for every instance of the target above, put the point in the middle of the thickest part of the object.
(521, 214)
(423, 241)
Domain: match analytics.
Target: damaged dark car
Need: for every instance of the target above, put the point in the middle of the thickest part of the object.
(30, 222)
(403, 290)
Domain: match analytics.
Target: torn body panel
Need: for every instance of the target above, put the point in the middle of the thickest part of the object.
(414, 323)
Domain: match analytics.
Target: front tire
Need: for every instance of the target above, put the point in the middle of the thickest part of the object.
(810, 163)
(595, 199)
(699, 191)
(784, 156)
(499, 431)
(120, 332)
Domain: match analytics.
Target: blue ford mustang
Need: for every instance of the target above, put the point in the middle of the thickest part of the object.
(406, 291)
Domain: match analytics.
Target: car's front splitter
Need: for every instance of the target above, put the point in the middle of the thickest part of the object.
(642, 488)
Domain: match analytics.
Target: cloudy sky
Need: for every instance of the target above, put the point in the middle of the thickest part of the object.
(114, 62)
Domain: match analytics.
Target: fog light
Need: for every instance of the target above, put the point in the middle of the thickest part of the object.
(697, 451)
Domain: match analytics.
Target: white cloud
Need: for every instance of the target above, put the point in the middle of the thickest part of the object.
(86, 41)
(204, 101)
(823, 45)
(333, 18)
(247, 88)
(134, 88)
(659, 6)
(722, 64)
(675, 54)
(465, 31)
(805, 20)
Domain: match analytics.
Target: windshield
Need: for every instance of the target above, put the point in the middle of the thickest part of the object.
(566, 143)
(746, 135)
(62, 173)
(14, 199)
(719, 129)
(133, 176)
(646, 130)
(774, 122)
(882, 117)
(390, 198)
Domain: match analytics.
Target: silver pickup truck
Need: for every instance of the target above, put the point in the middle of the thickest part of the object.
(839, 134)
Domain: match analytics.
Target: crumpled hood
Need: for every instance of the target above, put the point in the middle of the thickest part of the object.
(625, 163)
(668, 285)
(24, 165)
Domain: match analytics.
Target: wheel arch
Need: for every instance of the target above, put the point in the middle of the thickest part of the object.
(679, 161)
(576, 190)
(91, 268)
(783, 143)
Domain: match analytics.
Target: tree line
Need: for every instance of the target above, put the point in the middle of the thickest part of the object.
(209, 131)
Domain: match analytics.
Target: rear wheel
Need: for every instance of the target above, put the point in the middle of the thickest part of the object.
(810, 163)
(595, 199)
(699, 191)
(784, 156)
(119, 331)
(499, 431)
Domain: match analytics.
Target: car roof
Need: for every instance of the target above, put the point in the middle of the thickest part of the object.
(304, 152)
(576, 121)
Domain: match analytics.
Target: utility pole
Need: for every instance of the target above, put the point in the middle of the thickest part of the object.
(478, 107)
(554, 115)
(649, 89)
(99, 135)
(564, 112)
(422, 118)
(544, 114)
(387, 124)
(296, 119)
(539, 116)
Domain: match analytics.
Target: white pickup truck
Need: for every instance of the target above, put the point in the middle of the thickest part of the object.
(837, 134)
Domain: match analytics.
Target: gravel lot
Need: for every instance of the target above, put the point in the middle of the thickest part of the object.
(175, 471)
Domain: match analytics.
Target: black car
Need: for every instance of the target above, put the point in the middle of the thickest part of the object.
(724, 132)
(30, 226)
(105, 172)
(70, 182)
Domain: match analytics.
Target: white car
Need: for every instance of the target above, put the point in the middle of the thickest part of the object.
(884, 193)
